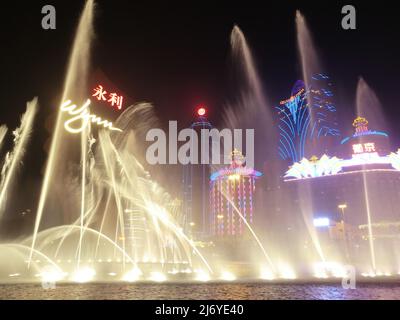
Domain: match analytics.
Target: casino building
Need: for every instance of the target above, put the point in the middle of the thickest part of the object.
(367, 181)
(307, 122)
(231, 195)
(349, 189)
(359, 196)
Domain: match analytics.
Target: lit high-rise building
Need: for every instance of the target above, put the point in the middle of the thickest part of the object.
(307, 120)
(232, 192)
(195, 186)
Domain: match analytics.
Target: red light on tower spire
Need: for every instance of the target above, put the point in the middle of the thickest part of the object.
(201, 111)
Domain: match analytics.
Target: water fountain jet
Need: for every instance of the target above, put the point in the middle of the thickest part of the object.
(75, 86)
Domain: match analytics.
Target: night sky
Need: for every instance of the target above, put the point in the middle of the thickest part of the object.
(177, 55)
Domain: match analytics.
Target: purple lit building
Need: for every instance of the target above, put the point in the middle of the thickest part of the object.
(360, 190)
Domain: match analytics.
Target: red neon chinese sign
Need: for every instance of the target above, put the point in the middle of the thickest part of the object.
(364, 148)
(112, 98)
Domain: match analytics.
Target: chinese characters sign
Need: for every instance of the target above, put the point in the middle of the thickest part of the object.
(364, 148)
(112, 98)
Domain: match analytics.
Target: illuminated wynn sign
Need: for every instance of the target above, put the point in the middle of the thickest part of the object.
(81, 118)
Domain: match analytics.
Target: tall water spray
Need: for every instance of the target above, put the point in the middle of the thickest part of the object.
(13, 159)
(3, 132)
(75, 87)
(310, 65)
(250, 110)
(241, 51)
(111, 180)
(368, 106)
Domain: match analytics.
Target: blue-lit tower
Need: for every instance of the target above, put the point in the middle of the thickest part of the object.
(307, 120)
(294, 121)
(325, 131)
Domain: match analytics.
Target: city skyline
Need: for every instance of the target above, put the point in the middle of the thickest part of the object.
(225, 150)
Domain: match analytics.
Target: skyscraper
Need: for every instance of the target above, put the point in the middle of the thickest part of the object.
(195, 184)
(307, 120)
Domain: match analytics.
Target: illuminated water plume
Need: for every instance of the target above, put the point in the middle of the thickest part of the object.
(75, 86)
(13, 159)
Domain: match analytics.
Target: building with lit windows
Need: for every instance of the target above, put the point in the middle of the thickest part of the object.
(231, 195)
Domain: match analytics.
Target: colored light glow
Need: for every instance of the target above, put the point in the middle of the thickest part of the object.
(157, 277)
(365, 133)
(286, 271)
(231, 191)
(83, 275)
(308, 169)
(266, 274)
(12, 275)
(369, 147)
(202, 276)
(51, 274)
(201, 111)
(234, 177)
(361, 124)
(307, 115)
(361, 129)
(314, 167)
(100, 93)
(81, 115)
(241, 171)
(365, 158)
(324, 269)
(358, 148)
(228, 276)
(112, 98)
(132, 275)
(292, 97)
(351, 172)
(364, 148)
(321, 222)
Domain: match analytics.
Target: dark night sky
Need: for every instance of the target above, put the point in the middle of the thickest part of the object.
(177, 55)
